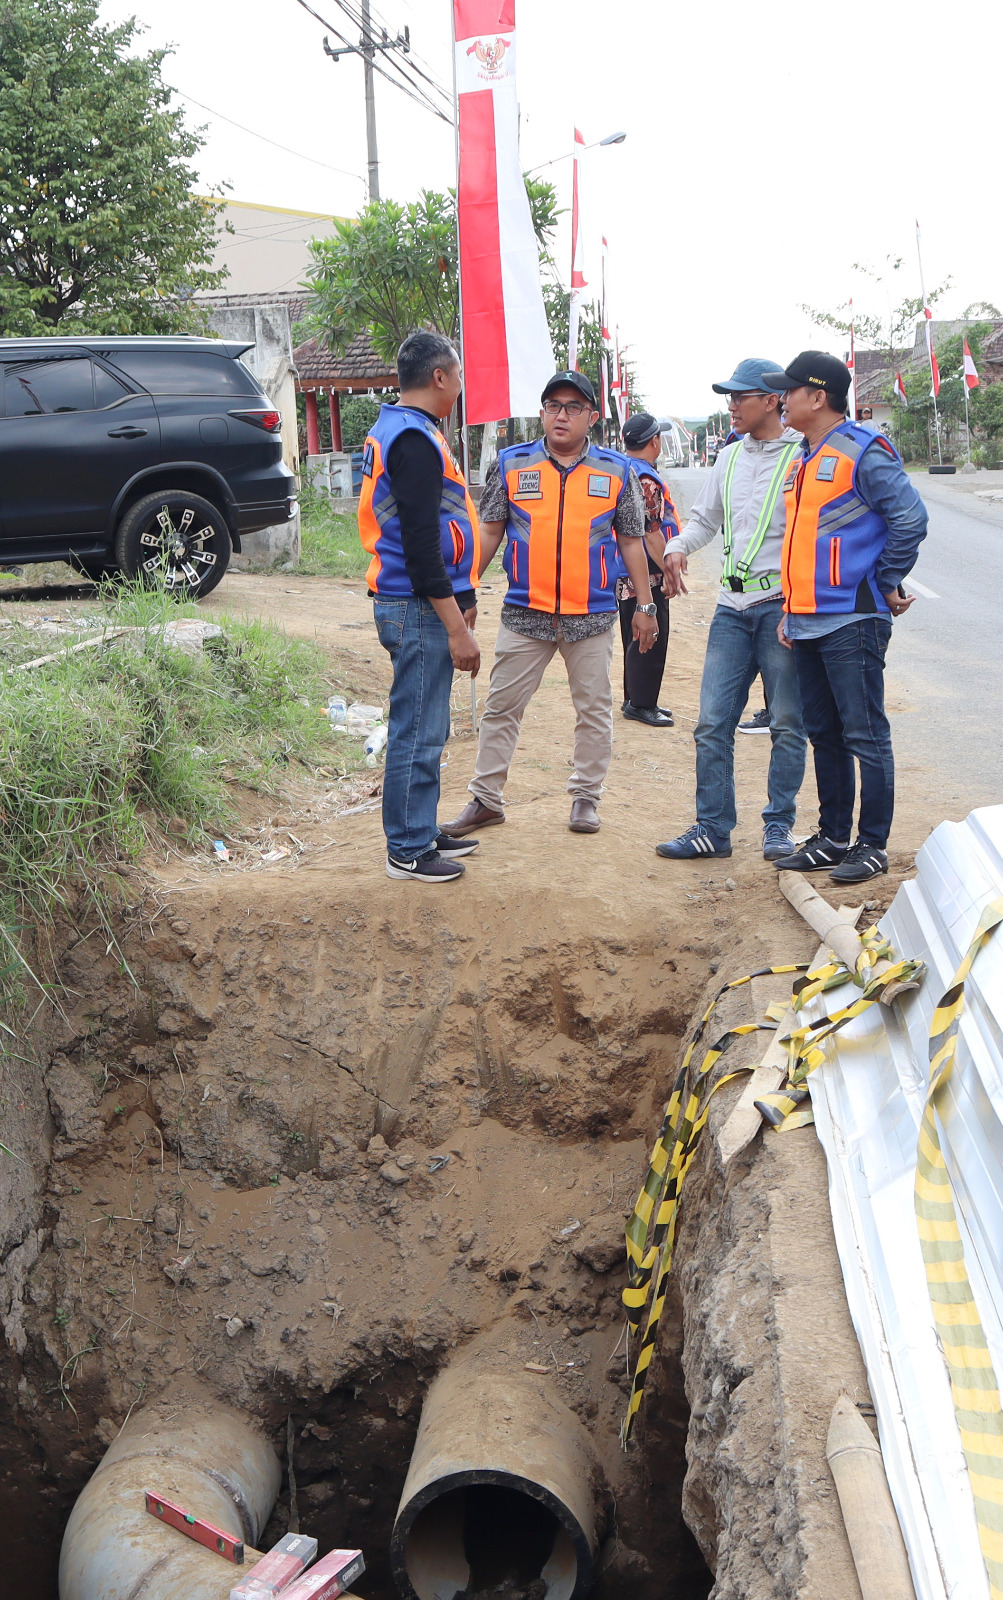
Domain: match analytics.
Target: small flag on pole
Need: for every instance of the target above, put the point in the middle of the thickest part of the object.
(577, 258)
(969, 369)
(898, 390)
(934, 373)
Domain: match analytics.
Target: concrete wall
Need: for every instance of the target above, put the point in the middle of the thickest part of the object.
(268, 329)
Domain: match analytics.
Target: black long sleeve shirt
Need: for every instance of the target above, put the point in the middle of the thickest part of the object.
(414, 468)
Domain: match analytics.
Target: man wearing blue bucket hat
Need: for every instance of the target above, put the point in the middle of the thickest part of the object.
(744, 497)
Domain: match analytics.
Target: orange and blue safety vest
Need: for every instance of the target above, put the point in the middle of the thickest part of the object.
(379, 519)
(834, 540)
(562, 555)
(670, 521)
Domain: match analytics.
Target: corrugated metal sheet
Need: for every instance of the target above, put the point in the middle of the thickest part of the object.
(868, 1098)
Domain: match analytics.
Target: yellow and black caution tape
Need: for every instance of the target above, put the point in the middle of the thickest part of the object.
(651, 1229)
(974, 1385)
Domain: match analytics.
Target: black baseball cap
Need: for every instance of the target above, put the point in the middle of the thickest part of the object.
(812, 369)
(577, 380)
(640, 430)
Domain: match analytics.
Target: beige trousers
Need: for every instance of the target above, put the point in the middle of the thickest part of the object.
(515, 677)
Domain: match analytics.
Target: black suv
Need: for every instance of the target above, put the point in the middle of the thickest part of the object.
(146, 456)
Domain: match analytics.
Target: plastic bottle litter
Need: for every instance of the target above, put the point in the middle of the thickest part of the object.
(362, 718)
(337, 709)
(377, 739)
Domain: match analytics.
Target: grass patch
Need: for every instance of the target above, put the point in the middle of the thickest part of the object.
(101, 749)
(330, 540)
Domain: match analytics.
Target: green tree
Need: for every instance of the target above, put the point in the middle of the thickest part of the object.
(558, 303)
(394, 269)
(99, 229)
(915, 426)
(887, 332)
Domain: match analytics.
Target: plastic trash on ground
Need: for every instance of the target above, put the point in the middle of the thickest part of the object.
(283, 1563)
(361, 718)
(220, 850)
(329, 1578)
(377, 739)
(337, 709)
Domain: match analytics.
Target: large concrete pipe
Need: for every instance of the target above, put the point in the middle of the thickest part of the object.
(195, 1452)
(502, 1489)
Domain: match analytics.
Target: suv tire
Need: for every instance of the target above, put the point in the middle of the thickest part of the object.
(174, 539)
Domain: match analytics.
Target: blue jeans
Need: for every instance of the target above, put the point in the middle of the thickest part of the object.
(841, 676)
(740, 645)
(418, 645)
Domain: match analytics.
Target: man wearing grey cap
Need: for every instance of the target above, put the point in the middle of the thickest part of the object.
(643, 671)
(744, 496)
(568, 511)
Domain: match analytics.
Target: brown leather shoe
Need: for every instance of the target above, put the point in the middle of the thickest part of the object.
(473, 816)
(584, 817)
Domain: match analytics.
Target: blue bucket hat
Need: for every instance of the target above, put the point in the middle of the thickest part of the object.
(747, 378)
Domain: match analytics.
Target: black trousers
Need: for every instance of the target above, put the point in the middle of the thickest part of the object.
(642, 674)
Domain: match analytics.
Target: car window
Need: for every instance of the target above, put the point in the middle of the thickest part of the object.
(185, 371)
(106, 388)
(38, 388)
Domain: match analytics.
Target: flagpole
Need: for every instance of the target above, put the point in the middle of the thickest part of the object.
(464, 436)
(929, 346)
(968, 431)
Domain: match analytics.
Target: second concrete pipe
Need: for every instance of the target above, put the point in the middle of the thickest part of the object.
(503, 1488)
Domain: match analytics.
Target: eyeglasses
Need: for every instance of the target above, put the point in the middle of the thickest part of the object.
(553, 408)
(747, 394)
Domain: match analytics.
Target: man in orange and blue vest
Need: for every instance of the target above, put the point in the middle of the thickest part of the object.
(569, 511)
(854, 526)
(417, 521)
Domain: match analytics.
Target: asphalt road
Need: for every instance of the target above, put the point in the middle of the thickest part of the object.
(944, 679)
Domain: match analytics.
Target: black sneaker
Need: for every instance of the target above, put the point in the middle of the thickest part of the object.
(760, 723)
(815, 855)
(861, 861)
(429, 868)
(451, 848)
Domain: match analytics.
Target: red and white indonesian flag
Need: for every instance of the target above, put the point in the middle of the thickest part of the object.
(898, 389)
(507, 355)
(934, 373)
(969, 369)
(578, 284)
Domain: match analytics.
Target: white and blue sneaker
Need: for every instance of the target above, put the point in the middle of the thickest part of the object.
(777, 841)
(694, 844)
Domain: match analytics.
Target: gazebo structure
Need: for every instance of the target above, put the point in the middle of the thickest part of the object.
(358, 371)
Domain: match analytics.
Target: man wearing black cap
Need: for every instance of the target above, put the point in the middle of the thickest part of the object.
(854, 525)
(569, 511)
(642, 673)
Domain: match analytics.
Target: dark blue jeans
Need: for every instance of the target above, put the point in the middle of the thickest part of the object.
(841, 677)
(740, 645)
(418, 646)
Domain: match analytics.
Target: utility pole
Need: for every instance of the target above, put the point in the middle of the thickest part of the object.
(367, 47)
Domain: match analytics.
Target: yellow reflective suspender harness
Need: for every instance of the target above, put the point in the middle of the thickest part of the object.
(736, 574)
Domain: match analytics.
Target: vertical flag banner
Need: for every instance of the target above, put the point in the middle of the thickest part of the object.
(969, 369)
(604, 341)
(852, 365)
(577, 259)
(507, 354)
(934, 374)
(934, 369)
(898, 390)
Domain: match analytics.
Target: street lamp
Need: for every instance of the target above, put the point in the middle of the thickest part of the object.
(611, 138)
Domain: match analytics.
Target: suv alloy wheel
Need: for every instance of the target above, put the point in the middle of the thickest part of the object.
(175, 540)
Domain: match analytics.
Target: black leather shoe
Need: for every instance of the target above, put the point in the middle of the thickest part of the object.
(651, 716)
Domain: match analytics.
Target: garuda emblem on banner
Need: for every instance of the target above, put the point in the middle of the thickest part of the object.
(491, 55)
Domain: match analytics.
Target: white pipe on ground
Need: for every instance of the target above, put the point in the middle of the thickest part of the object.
(201, 1455)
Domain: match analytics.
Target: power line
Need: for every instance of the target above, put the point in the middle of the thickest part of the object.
(355, 16)
(415, 94)
(300, 154)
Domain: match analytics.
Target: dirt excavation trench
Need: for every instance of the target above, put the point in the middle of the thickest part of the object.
(319, 1139)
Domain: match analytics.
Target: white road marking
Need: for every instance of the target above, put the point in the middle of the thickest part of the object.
(920, 588)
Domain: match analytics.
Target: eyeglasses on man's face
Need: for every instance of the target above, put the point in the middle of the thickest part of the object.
(746, 394)
(573, 408)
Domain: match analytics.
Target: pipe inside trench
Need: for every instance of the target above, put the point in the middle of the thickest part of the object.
(502, 1491)
(199, 1454)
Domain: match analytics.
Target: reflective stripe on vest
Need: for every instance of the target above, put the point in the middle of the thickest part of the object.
(561, 553)
(833, 540)
(736, 574)
(379, 519)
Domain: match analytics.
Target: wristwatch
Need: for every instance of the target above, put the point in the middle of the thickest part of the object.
(647, 611)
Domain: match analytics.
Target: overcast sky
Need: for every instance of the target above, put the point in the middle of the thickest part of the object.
(768, 148)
